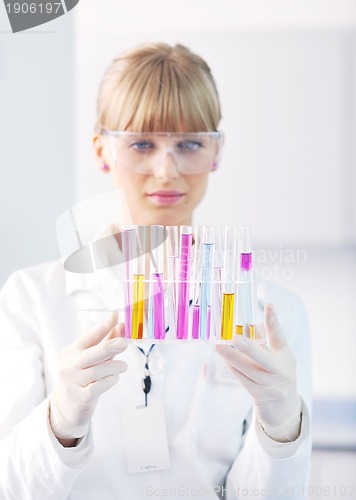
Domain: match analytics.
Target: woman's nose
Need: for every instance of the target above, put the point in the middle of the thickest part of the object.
(166, 167)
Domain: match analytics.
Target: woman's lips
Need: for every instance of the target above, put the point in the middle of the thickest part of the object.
(165, 197)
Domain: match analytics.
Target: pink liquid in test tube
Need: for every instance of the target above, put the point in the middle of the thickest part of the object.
(158, 307)
(195, 328)
(183, 286)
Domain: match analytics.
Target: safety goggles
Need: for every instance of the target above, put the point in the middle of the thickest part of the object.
(144, 152)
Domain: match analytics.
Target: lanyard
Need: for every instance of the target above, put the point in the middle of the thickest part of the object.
(146, 382)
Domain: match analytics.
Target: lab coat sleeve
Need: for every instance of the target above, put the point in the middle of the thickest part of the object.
(33, 465)
(264, 467)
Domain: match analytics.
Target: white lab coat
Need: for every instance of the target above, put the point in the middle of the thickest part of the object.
(42, 310)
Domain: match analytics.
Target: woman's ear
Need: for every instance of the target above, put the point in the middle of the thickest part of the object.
(98, 147)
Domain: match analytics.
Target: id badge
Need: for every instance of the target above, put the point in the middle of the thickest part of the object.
(145, 437)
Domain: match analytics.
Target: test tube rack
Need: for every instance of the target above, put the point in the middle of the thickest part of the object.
(190, 285)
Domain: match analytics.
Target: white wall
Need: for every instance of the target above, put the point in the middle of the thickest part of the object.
(137, 17)
(36, 139)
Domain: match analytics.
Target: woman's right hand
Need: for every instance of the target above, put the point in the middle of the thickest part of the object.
(87, 369)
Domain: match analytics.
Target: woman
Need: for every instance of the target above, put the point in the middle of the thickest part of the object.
(70, 425)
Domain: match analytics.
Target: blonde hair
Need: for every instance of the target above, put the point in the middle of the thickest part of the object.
(158, 88)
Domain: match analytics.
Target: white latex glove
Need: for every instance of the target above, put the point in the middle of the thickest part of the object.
(269, 375)
(87, 369)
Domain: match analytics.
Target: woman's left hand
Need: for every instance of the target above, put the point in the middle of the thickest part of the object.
(268, 373)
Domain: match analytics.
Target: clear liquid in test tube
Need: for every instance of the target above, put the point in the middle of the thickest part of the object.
(207, 260)
(217, 282)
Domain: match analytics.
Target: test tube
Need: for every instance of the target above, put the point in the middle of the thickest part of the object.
(207, 260)
(150, 317)
(259, 317)
(238, 309)
(183, 284)
(126, 236)
(137, 251)
(156, 305)
(172, 258)
(246, 285)
(198, 239)
(229, 279)
(217, 277)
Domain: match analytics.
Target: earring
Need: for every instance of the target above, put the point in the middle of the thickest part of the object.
(105, 168)
(215, 166)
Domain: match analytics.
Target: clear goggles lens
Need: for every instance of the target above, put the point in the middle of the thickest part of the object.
(143, 153)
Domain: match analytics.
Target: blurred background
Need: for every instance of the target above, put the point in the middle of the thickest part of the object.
(286, 73)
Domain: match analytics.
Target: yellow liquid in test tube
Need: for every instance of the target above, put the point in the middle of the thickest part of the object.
(227, 316)
(239, 331)
(138, 296)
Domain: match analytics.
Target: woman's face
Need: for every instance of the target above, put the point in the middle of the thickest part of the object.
(166, 197)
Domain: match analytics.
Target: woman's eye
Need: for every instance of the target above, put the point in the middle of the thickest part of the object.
(142, 145)
(189, 145)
